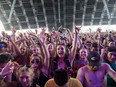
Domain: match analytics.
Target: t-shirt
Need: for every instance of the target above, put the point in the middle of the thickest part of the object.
(72, 83)
(41, 80)
(110, 81)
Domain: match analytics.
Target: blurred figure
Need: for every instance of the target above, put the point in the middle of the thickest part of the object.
(94, 46)
(6, 67)
(111, 60)
(93, 74)
(88, 46)
(62, 79)
(25, 77)
(3, 46)
(81, 61)
(39, 69)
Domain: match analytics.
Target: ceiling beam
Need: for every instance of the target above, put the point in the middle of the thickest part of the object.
(102, 16)
(24, 12)
(59, 11)
(44, 11)
(74, 13)
(84, 11)
(4, 15)
(54, 13)
(14, 12)
(64, 4)
(93, 14)
(112, 13)
(11, 11)
(15, 15)
(106, 8)
(35, 16)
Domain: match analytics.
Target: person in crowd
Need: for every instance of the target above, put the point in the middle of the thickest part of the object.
(51, 48)
(20, 53)
(111, 60)
(111, 43)
(62, 79)
(64, 58)
(81, 61)
(58, 49)
(83, 55)
(3, 46)
(39, 63)
(7, 84)
(7, 67)
(88, 45)
(25, 77)
(40, 69)
(94, 46)
(52, 51)
(93, 74)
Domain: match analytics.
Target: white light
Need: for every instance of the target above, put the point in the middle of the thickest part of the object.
(104, 28)
(84, 29)
(1, 27)
(26, 30)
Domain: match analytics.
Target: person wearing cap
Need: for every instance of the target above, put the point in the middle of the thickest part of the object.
(111, 60)
(93, 74)
(62, 79)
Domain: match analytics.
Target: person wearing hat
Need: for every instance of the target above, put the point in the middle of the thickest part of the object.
(93, 74)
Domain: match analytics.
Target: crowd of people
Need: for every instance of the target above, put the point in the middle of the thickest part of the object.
(58, 58)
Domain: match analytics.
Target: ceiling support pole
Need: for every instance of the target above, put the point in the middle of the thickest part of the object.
(12, 8)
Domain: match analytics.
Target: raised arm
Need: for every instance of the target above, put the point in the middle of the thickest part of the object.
(17, 50)
(74, 46)
(44, 50)
(110, 71)
(45, 53)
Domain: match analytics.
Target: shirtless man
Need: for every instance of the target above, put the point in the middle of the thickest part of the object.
(93, 74)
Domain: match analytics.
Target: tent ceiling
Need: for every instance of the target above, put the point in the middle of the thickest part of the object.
(38, 13)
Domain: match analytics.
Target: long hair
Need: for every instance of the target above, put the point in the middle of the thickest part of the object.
(66, 52)
(40, 59)
(24, 69)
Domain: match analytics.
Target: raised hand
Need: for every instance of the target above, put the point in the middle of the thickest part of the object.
(43, 29)
(77, 29)
(67, 30)
(3, 33)
(36, 31)
(99, 30)
(20, 34)
(8, 69)
(13, 30)
(60, 28)
(53, 30)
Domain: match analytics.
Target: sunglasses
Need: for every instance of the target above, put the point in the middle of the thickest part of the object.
(35, 61)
